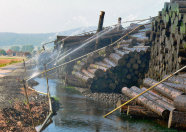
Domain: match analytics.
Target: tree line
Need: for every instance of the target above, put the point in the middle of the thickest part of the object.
(24, 48)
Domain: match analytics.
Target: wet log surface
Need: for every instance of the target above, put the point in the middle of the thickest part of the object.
(163, 89)
(161, 111)
(177, 80)
(180, 103)
(181, 87)
(119, 65)
(154, 98)
(178, 120)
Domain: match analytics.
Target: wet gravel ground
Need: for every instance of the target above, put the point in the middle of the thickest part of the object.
(14, 114)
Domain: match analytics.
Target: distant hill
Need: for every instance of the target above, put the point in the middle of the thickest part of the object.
(10, 39)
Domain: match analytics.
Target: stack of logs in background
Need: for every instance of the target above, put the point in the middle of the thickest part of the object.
(130, 71)
(117, 66)
(168, 37)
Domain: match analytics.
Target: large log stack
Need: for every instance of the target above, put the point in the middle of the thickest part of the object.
(168, 38)
(87, 42)
(121, 65)
(127, 70)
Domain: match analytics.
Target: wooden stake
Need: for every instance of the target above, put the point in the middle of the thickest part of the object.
(170, 119)
(24, 64)
(28, 103)
(128, 109)
(48, 92)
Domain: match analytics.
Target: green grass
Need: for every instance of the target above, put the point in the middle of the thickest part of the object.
(55, 98)
(7, 58)
(70, 87)
(12, 62)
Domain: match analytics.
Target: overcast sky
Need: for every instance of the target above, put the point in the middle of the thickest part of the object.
(43, 16)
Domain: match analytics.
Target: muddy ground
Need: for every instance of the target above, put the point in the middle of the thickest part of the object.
(14, 112)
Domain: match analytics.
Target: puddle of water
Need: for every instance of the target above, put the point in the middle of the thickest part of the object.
(85, 115)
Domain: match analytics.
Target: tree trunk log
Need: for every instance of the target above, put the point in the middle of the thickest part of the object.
(154, 98)
(167, 91)
(147, 103)
(180, 87)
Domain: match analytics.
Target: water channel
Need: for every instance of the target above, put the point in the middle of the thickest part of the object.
(79, 114)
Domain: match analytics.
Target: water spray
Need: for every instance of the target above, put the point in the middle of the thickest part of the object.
(90, 52)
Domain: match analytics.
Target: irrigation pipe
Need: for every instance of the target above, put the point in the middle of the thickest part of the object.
(144, 91)
(37, 91)
(90, 52)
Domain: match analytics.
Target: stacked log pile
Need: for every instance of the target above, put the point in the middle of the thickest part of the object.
(117, 66)
(168, 39)
(167, 100)
(126, 70)
(88, 43)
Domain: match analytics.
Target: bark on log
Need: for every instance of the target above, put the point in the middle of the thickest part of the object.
(178, 120)
(180, 87)
(107, 61)
(168, 40)
(177, 80)
(180, 103)
(182, 75)
(147, 103)
(91, 70)
(79, 66)
(154, 99)
(103, 64)
(98, 67)
(76, 82)
(80, 75)
(121, 53)
(115, 57)
(87, 73)
(159, 97)
(164, 90)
